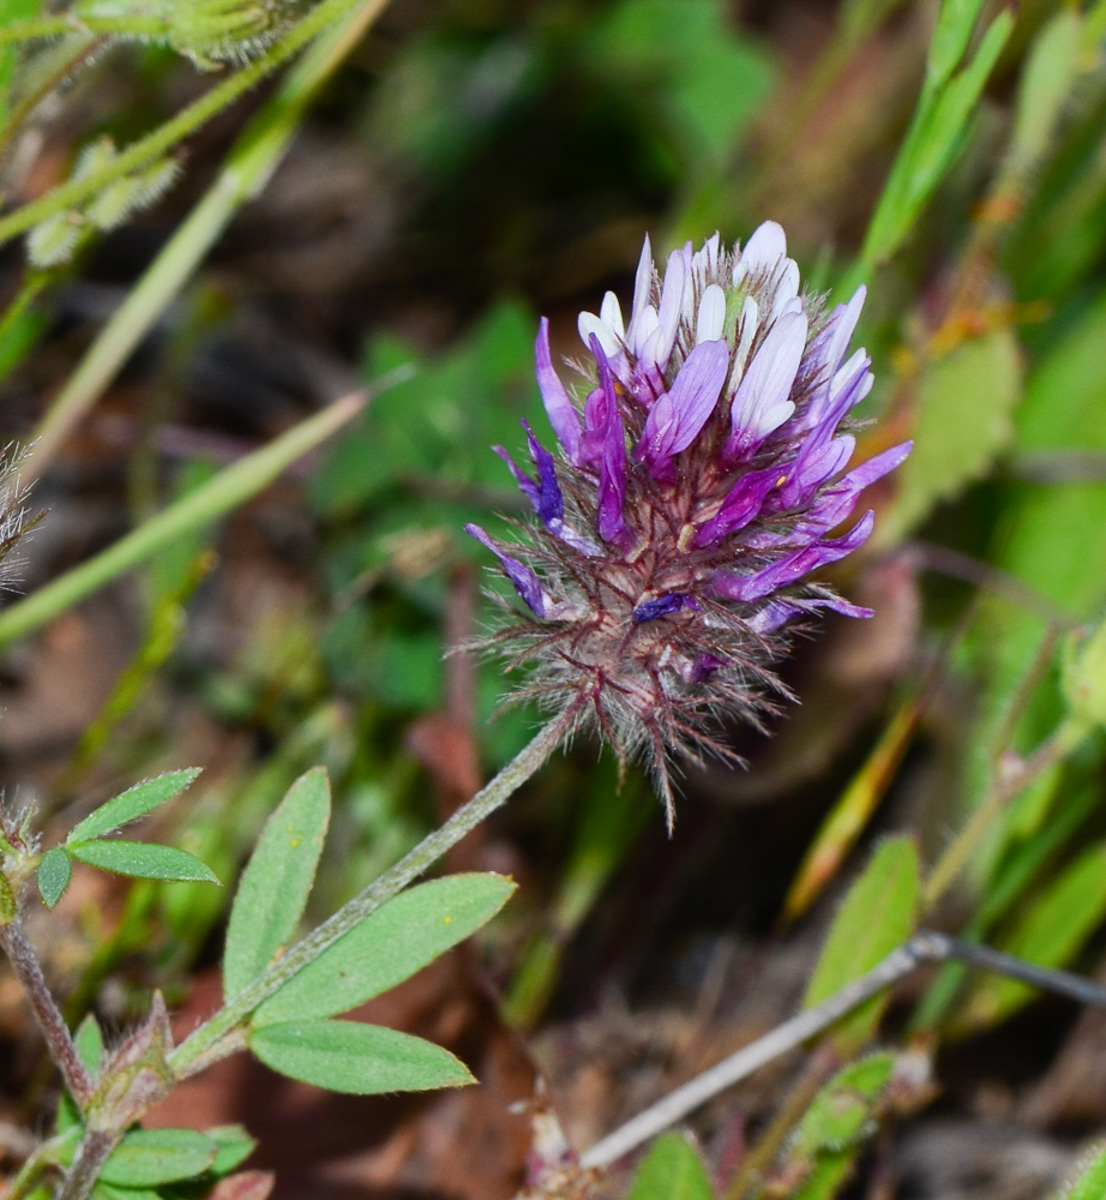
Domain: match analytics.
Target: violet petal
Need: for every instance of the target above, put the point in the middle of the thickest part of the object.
(659, 606)
(525, 484)
(551, 505)
(791, 569)
(778, 612)
(742, 505)
(558, 405)
(677, 418)
(526, 582)
(837, 501)
(612, 456)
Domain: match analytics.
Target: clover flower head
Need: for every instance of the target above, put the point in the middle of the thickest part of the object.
(703, 475)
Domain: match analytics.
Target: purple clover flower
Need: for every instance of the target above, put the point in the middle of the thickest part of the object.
(702, 478)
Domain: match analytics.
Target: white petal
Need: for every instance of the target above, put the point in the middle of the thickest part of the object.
(844, 325)
(687, 308)
(611, 312)
(773, 418)
(672, 299)
(643, 285)
(588, 324)
(712, 315)
(642, 328)
(787, 290)
(713, 242)
(843, 374)
(750, 316)
(764, 390)
(762, 251)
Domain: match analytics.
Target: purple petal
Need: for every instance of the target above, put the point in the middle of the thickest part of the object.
(558, 405)
(761, 402)
(551, 505)
(849, 386)
(545, 496)
(526, 582)
(838, 501)
(816, 462)
(612, 456)
(525, 484)
(705, 666)
(742, 505)
(677, 418)
(778, 612)
(660, 606)
(791, 569)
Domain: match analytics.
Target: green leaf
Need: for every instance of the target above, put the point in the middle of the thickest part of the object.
(90, 1044)
(828, 1175)
(878, 915)
(955, 443)
(53, 875)
(135, 802)
(955, 23)
(942, 136)
(362, 1060)
(143, 861)
(1091, 1184)
(1053, 66)
(107, 1191)
(1051, 931)
(936, 134)
(275, 884)
(234, 1146)
(389, 946)
(672, 1170)
(148, 1157)
(90, 1047)
(841, 1115)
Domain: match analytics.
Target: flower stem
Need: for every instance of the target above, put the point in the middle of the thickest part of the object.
(28, 970)
(221, 1034)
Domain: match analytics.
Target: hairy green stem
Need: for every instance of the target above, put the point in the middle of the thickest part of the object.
(28, 971)
(50, 27)
(210, 1042)
(92, 1153)
(248, 168)
(143, 152)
